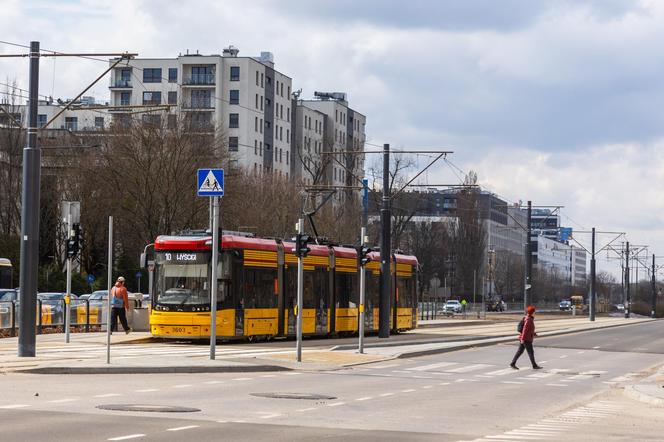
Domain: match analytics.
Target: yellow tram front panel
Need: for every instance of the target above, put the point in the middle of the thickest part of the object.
(190, 324)
(261, 321)
(404, 318)
(346, 319)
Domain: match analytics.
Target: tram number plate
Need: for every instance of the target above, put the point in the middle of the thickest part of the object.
(178, 330)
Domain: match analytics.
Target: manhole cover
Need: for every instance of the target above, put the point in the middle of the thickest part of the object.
(148, 408)
(305, 396)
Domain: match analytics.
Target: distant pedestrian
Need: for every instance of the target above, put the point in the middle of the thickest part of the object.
(526, 338)
(119, 305)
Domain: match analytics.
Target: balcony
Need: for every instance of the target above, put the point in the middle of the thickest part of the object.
(199, 80)
(121, 83)
(199, 105)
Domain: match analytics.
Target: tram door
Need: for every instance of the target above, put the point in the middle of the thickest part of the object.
(320, 298)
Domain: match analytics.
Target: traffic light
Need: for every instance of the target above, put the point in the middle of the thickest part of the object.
(301, 247)
(73, 243)
(363, 255)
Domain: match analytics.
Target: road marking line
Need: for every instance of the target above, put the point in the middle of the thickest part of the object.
(336, 404)
(556, 385)
(306, 409)
(580, 352)
(427, 386)
(60, 401)
(213, 382)
(182, 386)
(8, 407)
(468, 368)
(366, 398)
(146, 390)
(269, 376)
(430, 366)
(511, 382)
(410, 390)
(188, 427)
(511, 437)
(483, 376)
(563, 356)
(129, 436)
(596, 347)
(108, 395)
(241, 379)
(291, 373)
(502, 372)
(444, 383)
(386, 394)
(270, 416)
(384, 366)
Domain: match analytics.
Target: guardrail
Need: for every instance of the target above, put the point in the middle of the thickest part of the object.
(434, 309)
(51, 315)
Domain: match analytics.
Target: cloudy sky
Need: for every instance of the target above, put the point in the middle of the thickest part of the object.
(551, 101)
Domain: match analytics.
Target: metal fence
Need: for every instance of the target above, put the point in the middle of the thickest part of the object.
(85, 315)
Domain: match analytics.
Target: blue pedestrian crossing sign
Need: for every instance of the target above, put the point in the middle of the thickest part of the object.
(210, 182)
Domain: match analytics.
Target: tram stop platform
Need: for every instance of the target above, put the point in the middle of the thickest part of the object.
(138, 352)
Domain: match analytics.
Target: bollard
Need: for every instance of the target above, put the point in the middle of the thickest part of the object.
(87, 316)
(573, 310)
(13, 317)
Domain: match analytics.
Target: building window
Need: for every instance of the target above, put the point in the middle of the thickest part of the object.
(234, 96)
(269, 80)
(268, 125)
(257, 83)
(281, 134)
(125, 98)
(261, 125)
(268, 102)
(281, 111)
(287, 156)
(281, 151)
(172, 97)
(233, 144)
(233, 120)
(41, 120)
(277, 93)
(152, 75)
(288, 136)
(256, 101)
(235, 73)
(287, 114)
(255, 124)
(172, 75)
(255, 147)
(152, 120)
(261, 79)
(99, 123)
(71, 123)
(172, 121)
(151, 97)
(288, 91)
(201, 99)
(261, 102)
(260, 148)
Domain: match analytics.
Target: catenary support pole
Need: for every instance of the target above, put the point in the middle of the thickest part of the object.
(109, 284)
(527, 292)
(363, 273)
(385, 251)
(593, 286)
(213, 273)
(300, 293)
(653, 311)
(67, 305)
(627, 294)
(30, 218)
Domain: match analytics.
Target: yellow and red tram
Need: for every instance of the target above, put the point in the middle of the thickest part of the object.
(257, 289)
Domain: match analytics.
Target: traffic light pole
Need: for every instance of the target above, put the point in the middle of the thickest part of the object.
(627, 294)
(385, 250)
(68, 294)
(529, 260)
(213, 276)
(300, 291)
(363, 233)
(593, 287)
(653, 311)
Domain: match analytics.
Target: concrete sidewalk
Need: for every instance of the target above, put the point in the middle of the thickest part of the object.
(650, 390)
(139, 353)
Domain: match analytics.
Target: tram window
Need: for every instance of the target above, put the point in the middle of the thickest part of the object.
(312, 287)
(405, 287)
(347, 296)
(259, 288)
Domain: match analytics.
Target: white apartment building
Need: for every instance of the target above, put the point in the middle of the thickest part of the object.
(567, 261)
(343, 130)
(244, 99)
(308, 138)
(83, 115)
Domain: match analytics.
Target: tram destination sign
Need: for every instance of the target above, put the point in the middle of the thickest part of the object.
(183, 257)
(210, 182)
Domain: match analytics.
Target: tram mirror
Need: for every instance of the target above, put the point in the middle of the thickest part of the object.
(143, 260)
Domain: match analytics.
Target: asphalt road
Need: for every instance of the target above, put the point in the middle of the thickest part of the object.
(460, 396)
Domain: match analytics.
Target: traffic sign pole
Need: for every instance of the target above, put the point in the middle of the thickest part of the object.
(109, 284)
(213, 285)
(68, 294)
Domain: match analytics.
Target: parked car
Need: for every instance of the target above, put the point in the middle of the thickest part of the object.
(619, 307)
(452, 306)
(7, 295)
(98, 297)
(84, 297)
(565, 305)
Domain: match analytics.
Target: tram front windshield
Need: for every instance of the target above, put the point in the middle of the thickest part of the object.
(182, 278)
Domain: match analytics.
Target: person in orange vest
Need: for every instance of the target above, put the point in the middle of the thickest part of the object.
(119, 305)
(526, 338)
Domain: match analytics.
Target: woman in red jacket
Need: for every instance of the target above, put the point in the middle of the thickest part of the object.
(526, 339)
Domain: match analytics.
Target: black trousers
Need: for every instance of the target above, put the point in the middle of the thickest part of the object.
(122, 314)
(528, 346)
